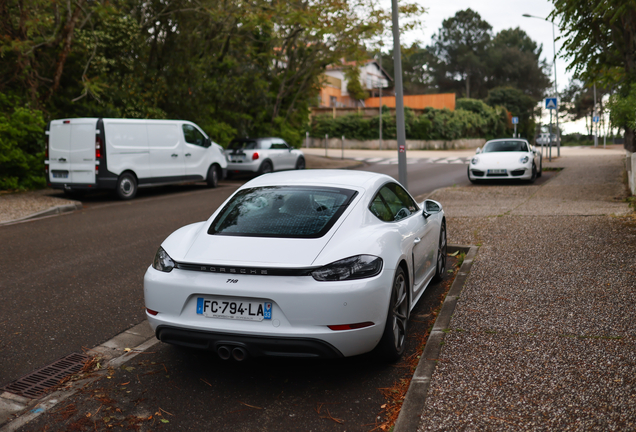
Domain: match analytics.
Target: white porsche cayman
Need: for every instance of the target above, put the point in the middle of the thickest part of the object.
(320, 263)
(507, 159)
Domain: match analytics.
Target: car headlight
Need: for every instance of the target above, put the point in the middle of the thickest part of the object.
(524, 159)
(356, 267)
(474, 160)
(162, 261)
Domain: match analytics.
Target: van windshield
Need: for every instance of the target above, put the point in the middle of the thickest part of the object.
(243, 145)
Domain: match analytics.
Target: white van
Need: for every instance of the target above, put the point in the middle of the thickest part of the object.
(124, 154)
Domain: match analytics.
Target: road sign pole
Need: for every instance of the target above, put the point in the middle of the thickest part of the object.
(550, 150)
(594, 118)
(515, 134)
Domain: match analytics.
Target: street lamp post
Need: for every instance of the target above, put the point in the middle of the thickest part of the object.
(399, 97)
(556, 91)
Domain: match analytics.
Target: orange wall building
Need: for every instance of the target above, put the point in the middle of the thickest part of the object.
(439, 101)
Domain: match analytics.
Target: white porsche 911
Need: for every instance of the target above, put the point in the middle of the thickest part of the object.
(505, 159)
(320, 263)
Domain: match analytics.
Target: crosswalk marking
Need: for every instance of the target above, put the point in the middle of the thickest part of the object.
(411, 161)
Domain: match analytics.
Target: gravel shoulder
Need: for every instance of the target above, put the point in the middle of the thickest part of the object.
(543, 336)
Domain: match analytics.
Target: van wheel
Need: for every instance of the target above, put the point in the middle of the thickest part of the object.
(126, 186)
(213, 177)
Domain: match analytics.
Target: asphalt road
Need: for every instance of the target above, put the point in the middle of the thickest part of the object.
(75, 281)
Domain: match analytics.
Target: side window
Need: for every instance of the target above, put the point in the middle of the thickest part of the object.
(265, 144)
(192, 135)
(279, 145)
(392, 203)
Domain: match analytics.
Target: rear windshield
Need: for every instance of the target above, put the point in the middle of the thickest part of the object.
(282, 211)
(505, 146)
(243, 145)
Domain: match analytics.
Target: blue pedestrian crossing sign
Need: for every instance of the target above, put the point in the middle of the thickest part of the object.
(515, 120)
(551, 103)
(596, 119)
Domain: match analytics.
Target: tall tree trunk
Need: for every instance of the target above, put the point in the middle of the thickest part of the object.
(467, 85)
(66, 48)
(630, 140)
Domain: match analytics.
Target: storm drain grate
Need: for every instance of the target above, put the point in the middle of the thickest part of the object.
(36, 383)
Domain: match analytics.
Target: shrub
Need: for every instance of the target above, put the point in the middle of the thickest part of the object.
(21, 147)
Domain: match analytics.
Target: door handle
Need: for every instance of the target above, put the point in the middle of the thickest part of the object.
(174, 155)
(417, 240)
(61, 160)
(188, 155)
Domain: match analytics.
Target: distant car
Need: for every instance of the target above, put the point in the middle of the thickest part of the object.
(262, 155)
(544, 139)
(507, 159)
(322, 263)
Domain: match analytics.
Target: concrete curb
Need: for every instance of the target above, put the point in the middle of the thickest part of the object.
(114, 353)
(52, 211)
(410, 415)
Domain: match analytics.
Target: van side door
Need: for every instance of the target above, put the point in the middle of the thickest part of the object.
(166, 151)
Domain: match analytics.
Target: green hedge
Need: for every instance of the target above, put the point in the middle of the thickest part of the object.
(21, 146)
(471, 119)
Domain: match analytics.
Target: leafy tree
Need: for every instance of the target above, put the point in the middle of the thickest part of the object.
(460, 48)
(515, 62)
(354, 87)
(518, 104)
(599, 39)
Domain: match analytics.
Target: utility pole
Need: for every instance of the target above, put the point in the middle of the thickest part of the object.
(399, 97)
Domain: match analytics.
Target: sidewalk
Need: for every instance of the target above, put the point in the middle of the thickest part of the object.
(543, 334)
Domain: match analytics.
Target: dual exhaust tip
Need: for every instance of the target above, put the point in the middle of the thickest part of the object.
(237, 353)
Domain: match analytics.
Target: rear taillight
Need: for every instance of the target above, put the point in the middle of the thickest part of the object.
(151, 312)
(46, 147)
(98, 148)
(341, 327)
(255, 156)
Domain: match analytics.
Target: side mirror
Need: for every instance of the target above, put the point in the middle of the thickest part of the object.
(207, 142)
(478, 150)
(430, 207)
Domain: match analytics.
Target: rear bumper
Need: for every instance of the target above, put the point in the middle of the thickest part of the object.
(104, 183)
(256, 346)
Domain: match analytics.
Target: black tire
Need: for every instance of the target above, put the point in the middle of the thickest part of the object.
(440, 266)
(393, 342)
(540, 173)
(473, 181)
(534, 173)
(300, 163)
(126, 186)
(266, 167)
(213, 177)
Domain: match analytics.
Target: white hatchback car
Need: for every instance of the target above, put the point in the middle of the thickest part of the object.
(505, 159)
(262, 155)
(321, 263)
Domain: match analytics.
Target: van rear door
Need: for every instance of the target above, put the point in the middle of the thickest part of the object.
(82, 156)
(72, 151)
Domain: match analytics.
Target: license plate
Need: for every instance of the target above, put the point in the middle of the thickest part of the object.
(237, 160)
(236, 310)
(497, 171)
(60, 174)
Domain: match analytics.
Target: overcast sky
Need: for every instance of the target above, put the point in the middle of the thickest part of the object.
(500, 14)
